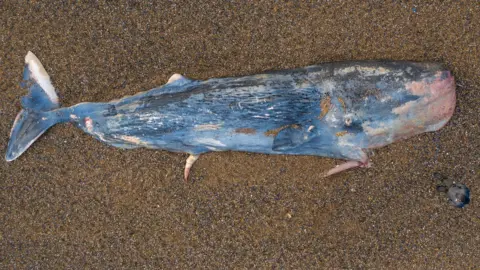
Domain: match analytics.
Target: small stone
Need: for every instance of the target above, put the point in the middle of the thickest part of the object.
(459, 195)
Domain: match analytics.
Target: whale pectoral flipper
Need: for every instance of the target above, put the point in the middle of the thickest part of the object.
(345, 166)
(363, 163)
(188, 165)
(178, 79)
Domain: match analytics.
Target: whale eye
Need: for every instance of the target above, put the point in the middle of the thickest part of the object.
(348, 121)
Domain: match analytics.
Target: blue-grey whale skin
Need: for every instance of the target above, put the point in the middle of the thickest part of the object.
(331, 110)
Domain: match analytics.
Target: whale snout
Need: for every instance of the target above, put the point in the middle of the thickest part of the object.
(440, 100)
(433, 108)
(437, 102)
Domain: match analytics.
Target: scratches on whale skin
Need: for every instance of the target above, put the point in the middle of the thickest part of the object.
(210, 142)
(325, 105)
(205, 127)
(274, 132)
(132, 140)
(405, 108)
(375, 92)
(246, 131)
(342, 102)
(366, 71)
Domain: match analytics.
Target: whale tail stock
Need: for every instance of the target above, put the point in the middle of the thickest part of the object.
(35, 117)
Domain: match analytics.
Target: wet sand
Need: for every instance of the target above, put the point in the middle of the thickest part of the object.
(72, 202)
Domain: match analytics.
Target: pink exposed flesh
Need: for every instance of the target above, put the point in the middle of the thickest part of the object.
(345, 166)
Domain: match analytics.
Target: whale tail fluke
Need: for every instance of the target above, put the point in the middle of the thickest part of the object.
(35, 117)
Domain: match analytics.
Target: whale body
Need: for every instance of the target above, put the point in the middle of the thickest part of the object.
(335, 110)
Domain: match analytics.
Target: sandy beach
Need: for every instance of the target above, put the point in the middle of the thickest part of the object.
(71, 202)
